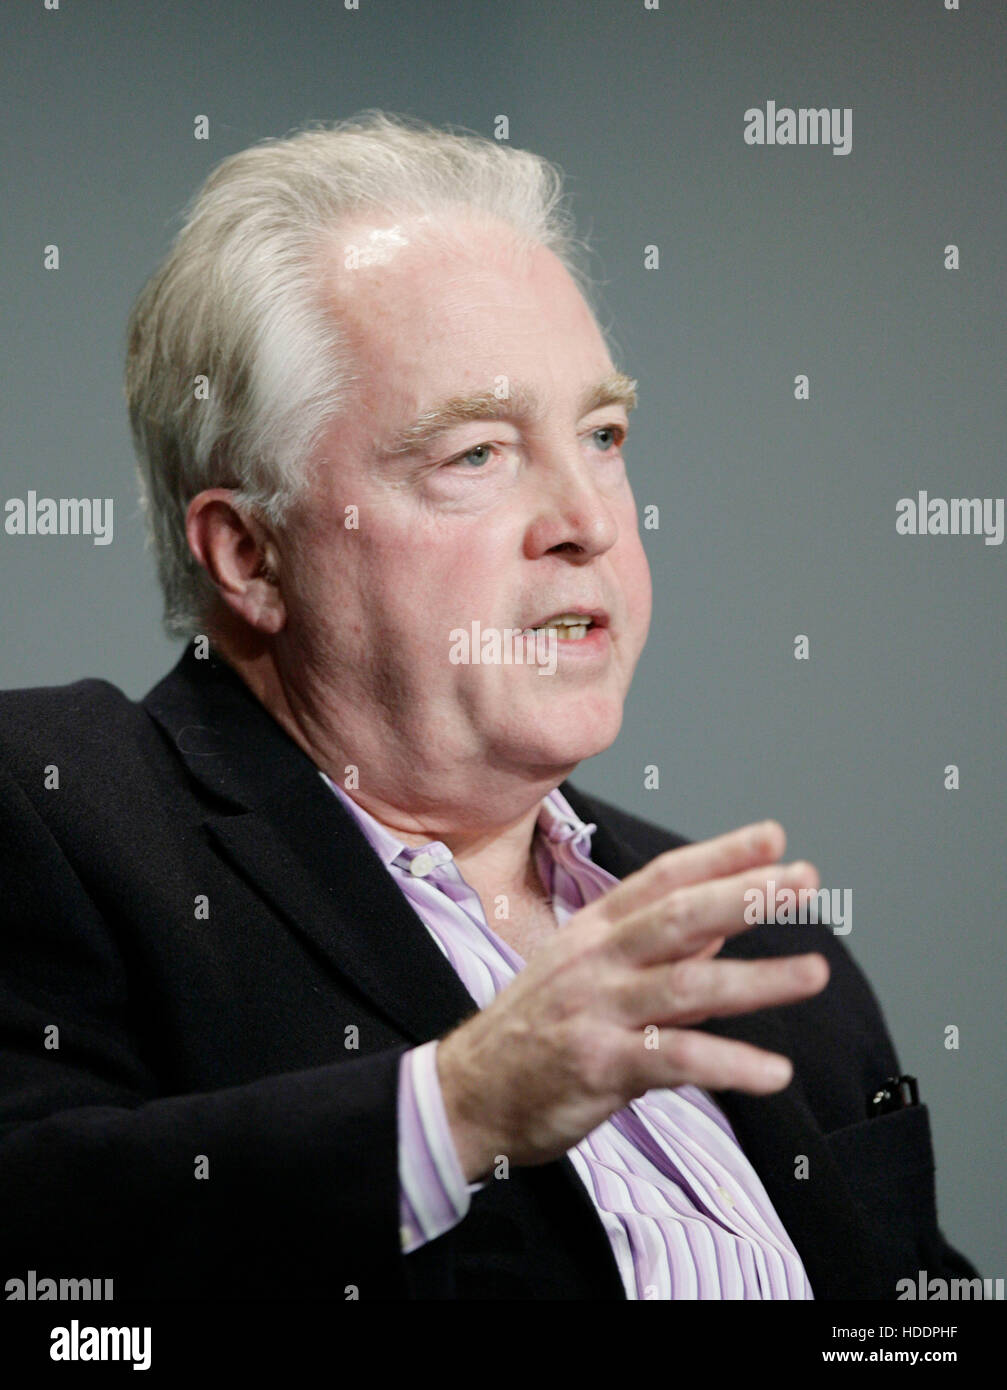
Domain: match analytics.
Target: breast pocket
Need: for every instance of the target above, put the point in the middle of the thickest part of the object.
(888, 1164)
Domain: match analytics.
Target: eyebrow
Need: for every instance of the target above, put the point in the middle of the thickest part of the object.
(614, 389)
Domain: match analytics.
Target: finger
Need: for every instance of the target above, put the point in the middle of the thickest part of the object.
(687, 1057)
(688, 919)
(724, 855)
(692, 990)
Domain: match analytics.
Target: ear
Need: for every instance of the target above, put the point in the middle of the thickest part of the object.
(239, 554)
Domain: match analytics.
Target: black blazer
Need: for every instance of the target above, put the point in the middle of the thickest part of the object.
(202, 921)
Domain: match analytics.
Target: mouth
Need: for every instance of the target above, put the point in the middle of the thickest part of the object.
(572, 624)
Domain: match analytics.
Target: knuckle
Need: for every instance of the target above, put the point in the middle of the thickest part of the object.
(725, 860)
(680, 1049)
(597, 1060)
(680, 908)
(568, 955)
(599, 938)
(664, 871)
(608, 908)
(688, 980)
(624, 991)
(573, 992)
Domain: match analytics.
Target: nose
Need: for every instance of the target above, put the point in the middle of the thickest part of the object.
(571, 515)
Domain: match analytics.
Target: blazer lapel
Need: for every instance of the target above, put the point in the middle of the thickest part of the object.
(294, 841)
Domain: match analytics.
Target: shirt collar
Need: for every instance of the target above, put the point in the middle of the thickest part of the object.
(557, 823)
(385, 842)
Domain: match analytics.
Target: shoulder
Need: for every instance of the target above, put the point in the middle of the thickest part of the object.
(59, 703)
(40, 713)
(89, 726)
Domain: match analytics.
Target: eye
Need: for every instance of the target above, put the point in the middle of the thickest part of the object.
(616, 435)
(612, 438)
(468, 457)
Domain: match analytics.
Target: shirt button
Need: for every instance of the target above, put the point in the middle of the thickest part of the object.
(421, 865)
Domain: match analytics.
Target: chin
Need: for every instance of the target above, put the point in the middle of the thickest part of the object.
(563, 741)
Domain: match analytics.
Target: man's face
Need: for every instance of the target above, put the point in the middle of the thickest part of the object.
(502, 521)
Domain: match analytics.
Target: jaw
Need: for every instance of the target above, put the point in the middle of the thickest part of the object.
(548, 734)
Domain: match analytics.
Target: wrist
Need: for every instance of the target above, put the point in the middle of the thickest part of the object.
(474, 1145)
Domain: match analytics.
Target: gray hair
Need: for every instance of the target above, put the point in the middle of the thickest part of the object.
(238, 301)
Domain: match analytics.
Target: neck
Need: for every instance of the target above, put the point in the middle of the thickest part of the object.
(501, 862)
(493, 852)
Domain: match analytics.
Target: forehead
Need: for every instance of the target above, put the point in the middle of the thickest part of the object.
(384, 241)
(430, 278)
(434, 317)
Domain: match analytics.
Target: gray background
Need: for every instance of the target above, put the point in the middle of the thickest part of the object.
(777, 517)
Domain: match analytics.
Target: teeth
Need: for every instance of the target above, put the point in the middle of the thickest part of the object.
(569, 627)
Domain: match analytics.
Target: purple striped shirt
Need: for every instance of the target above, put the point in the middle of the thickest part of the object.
(685, 1212)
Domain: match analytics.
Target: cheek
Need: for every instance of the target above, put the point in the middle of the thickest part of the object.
(635, 571)
(455, 568)
(418, 581)
(646, 588)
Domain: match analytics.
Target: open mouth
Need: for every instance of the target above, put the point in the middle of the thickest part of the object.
(569, 627)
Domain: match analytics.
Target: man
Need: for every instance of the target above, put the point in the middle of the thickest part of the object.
(319, 977)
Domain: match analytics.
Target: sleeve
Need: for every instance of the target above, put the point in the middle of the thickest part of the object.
(434, 1195)
(285, 1187)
